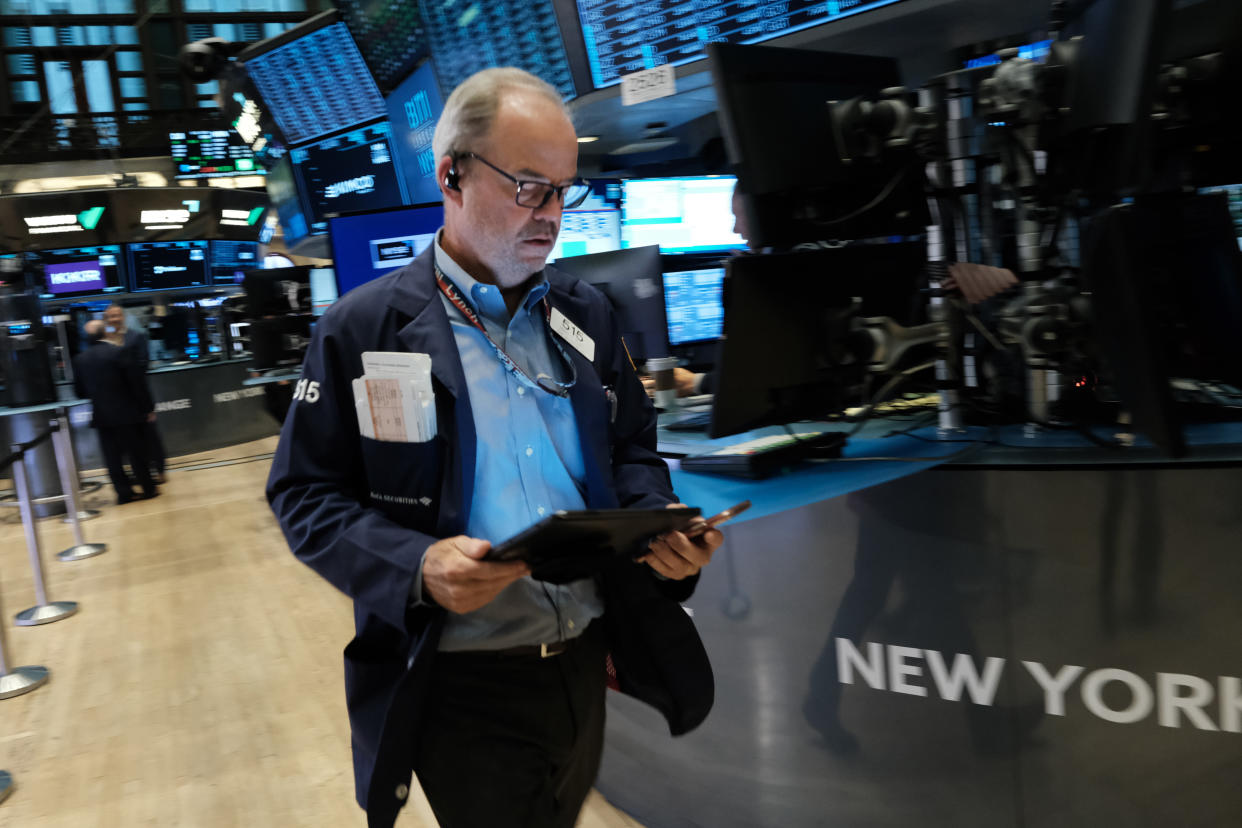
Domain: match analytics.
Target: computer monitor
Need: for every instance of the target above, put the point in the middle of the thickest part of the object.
(231, 259)
(632, 281)
(587, 231)
(685, 214)
(79, 271)
(785, 352)
(778, 132)
(169, 265)
(413, 109)
(277, 291)
(347, 173)
(322, 289)
(693, 304)
(314, 80)
(286, 200)
(367, 245)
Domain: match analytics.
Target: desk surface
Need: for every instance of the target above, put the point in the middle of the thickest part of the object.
(5, 411)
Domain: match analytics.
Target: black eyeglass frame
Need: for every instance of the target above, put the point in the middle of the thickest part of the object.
(548, 189)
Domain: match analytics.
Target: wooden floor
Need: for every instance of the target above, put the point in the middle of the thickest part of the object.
(200, 684)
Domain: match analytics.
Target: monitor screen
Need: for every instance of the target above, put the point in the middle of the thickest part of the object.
(692, 214)
(390, 35)
(625, 37)
(371, 244)
(587, 231)
(631, 280)
(80, 271)
(1233, 193)
(316, 83)
(497, 33)
(282, 192)
(169, 265)
(323, 289)
(693, 305)
(231, 259)
(212, 153)
(413, 109)
(348, 173)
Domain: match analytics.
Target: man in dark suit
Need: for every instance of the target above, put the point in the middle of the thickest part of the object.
(116, 385)
(485, 682)
(135, 344)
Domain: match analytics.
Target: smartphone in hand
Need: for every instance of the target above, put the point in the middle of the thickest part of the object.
(717, 519)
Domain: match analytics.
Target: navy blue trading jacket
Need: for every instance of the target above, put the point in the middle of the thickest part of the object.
(362, 513)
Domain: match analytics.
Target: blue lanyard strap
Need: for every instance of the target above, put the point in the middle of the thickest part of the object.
(552, 386)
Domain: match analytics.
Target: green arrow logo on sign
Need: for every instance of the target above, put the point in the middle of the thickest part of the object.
(89, 218)
(254, 215)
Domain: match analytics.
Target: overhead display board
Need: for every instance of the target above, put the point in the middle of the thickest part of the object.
(390, 35)
(211, 153)
(315, 83)
(623, 37)
(497, 33)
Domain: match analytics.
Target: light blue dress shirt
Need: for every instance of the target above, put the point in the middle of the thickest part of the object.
(528, 463)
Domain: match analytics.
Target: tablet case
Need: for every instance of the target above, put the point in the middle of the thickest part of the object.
(568, 546)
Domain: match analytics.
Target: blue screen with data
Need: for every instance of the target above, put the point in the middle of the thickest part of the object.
(370, 245)
(623, 37)
(693, 305)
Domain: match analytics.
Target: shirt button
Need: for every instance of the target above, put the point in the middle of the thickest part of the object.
(529, 451)
(521, 391)
(482, 288)
(403, 791)
(541, 510)
(571, 623)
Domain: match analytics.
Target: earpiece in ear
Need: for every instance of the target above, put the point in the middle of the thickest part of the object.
(451, 179)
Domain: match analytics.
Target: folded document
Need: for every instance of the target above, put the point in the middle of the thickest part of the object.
(394, 399)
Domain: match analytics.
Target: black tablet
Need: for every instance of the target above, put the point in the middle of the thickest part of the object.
(566, 546)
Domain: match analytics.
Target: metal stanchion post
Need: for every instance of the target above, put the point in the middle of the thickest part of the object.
(62, 442)
(21, 679)
(82, 514)
(44, 612)
(6, 785)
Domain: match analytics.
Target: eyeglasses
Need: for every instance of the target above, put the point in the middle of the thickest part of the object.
(535, 194)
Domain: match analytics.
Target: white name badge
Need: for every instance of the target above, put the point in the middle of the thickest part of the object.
(572, 334)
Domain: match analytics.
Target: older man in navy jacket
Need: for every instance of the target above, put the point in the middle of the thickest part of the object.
(486, 683)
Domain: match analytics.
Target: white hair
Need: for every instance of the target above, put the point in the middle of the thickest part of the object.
(471, 109)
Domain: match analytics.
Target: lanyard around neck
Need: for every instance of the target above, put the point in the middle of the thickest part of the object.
(552, 386)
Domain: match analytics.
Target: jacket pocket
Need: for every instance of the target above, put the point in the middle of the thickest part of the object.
(403, 479)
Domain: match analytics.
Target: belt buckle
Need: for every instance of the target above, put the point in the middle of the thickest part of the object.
(553, 649)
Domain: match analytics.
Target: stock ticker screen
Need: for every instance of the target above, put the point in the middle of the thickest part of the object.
(390, 35)
(316, 84)
(693, 305)
(212, 153)
(347, 173)
(169, 265)
(623, 37)
(231, 259)
(80, 271)
(497, 33)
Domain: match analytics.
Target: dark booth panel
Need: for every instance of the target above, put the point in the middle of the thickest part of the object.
(879, 660)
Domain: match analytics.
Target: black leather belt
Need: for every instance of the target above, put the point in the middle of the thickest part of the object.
(554, 648)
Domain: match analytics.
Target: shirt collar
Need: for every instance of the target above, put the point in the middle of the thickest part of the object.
(486, 298)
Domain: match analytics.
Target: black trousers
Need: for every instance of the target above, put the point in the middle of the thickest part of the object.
(155, 447)
(513, 741)
(121, 443)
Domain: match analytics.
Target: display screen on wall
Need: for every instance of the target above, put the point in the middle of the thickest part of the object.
(390, 35)
(623, 37)
(316, 83)
(497, 33)
(212, 153)
(79, 271)
(169, 265)
(347, 173)
(413, 109)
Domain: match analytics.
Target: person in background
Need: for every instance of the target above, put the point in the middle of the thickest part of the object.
(689, 383)
(109, 376)
(134, 343)
(489, 683)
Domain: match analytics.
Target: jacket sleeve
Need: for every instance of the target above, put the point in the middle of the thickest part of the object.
(318, 489)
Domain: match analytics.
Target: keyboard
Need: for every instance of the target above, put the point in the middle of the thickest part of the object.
(689, 421)
(766, 456)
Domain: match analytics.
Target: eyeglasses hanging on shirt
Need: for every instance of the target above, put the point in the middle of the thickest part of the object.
(541, 381)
